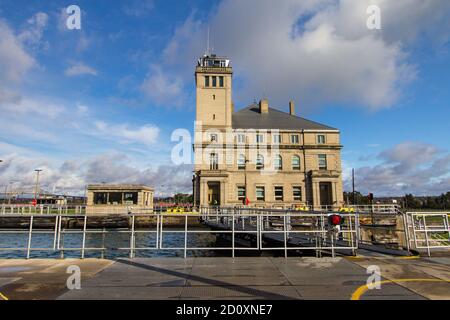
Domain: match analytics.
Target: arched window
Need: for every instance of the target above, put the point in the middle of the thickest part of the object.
(278, 162)
(213, 161)
(259, 162)
(241, 162)
(295, 162)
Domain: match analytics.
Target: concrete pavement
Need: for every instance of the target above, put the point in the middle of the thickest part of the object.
(226, 278)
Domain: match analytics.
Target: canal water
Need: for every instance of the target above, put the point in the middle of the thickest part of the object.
(111, 241)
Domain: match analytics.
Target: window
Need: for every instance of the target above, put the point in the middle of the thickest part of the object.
(322, 162)
(276, 138)
(297, 193)
(259, 162)
(259, 138)
(295, 139)
(213, 137)
(241, 138)
(220, 81)
(214, 97)
(100, 197)
(206, 81)
(241, 162)
(130, 197)
(278, 162)
(321, 139)
(213, 161)
(260, 193)
(278, 193)
(241, 192)
(214, 81)
(115, 198)
(295, 163)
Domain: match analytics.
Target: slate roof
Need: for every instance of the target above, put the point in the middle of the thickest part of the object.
(251, 118)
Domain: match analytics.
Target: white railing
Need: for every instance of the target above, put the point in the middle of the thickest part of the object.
(47, 209)
(428, 230)
(277, 229)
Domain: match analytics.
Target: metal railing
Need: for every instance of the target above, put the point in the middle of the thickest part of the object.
(277, 230)
(43, 209)
(428, 230)
(243, 228)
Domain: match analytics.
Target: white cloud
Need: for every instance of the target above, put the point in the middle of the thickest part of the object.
(28, 107)
(315, 51)
(409, 167)
(71, 176)
(146, 134)
(15, 62)
(163, 88)
(80, 69)
(36, 25)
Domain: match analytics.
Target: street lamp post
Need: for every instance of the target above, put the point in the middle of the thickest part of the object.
(37, 184)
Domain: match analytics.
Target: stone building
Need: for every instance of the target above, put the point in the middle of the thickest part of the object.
(259, 155)
(117, 199)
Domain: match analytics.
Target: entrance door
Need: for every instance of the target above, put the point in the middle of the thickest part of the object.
(214, 193)
(326, 197)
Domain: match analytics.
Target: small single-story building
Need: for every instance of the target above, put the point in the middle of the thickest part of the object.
(118, 198)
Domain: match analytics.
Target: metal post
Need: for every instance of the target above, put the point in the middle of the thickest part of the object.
(161, 233)
(285, 236)
(232, 235)
(29, 237)
(406, 231)
(103, 243)
(261, 229)
(332, 244)
(132, 239)
(157, 231)
(55, 233)
(84, 237)
(426, 235)
(185, 235)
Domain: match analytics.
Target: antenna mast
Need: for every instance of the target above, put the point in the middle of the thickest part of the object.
(208, 51)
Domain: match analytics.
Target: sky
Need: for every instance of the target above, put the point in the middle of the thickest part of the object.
(100, 103)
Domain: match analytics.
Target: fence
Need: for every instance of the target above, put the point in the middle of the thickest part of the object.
(259, 229)
(428, 230)
(277, 229)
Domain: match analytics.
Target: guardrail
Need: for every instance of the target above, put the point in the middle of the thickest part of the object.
(261, 229)
(268, 229)
(27, 209)
(428, 230)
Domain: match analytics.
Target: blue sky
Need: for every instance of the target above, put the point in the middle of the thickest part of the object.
(129, 70)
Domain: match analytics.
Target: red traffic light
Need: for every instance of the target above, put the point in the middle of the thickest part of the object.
(335, 219)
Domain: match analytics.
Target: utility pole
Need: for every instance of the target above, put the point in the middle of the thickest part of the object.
(353, 186)
(37, 183)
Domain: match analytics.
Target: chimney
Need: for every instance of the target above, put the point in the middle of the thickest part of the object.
(264, 106)
(291, 108)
